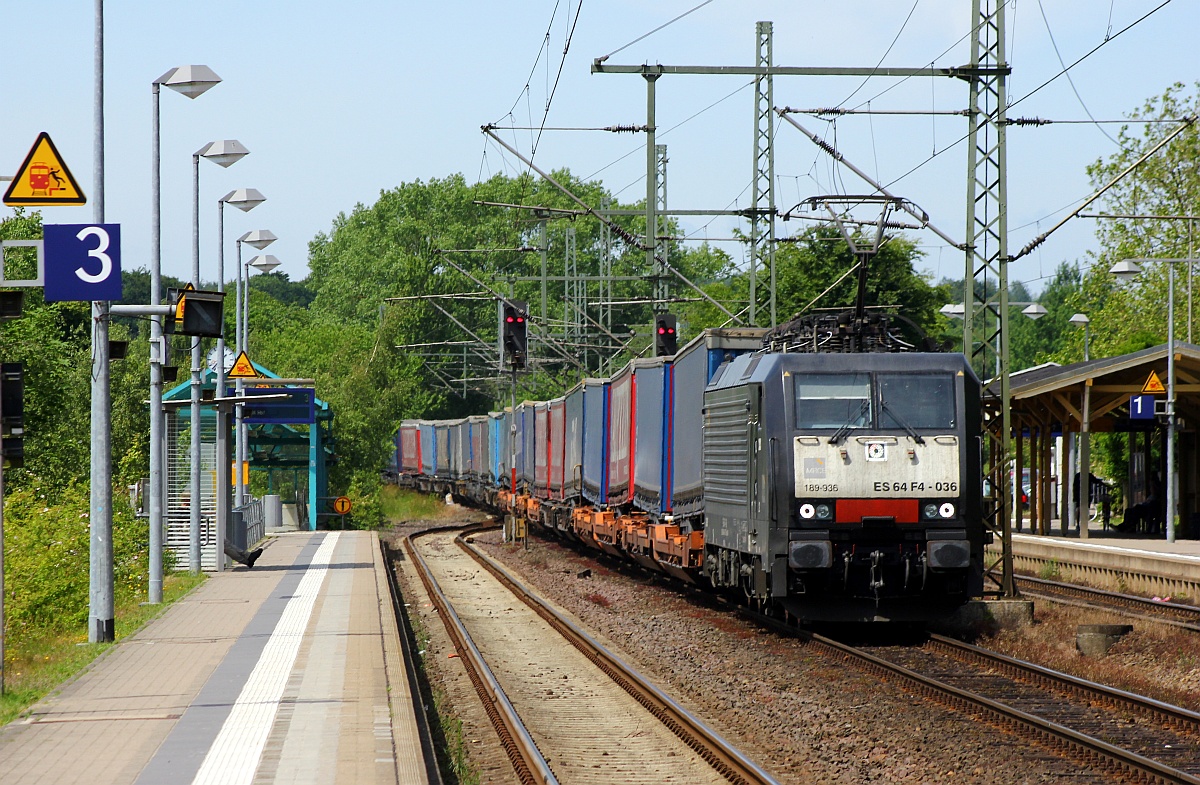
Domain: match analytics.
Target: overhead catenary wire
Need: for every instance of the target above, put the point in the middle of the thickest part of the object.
(886, 52)
(652, 32)
(616, 228)
(1053, 78)
(1071, 81)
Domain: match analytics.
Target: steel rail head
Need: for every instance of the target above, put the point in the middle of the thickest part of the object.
(710, 745)
(528, 762)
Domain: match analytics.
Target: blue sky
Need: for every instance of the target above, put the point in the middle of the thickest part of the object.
(337, 102)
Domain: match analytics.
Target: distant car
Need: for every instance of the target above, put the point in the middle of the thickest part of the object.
(987, 487)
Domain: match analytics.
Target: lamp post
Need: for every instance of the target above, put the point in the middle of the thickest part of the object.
(263, 263)
(223, 154)
(1082, 320)
(258, 239)
(1082, 452)
(1127, 270)
(191, 81)
(244, 199)
(1032, 311)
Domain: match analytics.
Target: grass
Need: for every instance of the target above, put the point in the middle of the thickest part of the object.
(1050, 571)
(403, 504)
(37, 664)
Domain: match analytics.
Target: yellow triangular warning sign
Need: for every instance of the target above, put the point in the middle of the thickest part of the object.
(242, 368)
(44, 178)
(179, 300)
(1153, 384)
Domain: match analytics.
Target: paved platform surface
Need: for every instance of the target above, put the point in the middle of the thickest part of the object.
(1114, 539)
(1123, 562)
(287, 673)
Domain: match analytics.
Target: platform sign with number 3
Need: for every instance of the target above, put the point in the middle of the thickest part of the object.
(83, 262)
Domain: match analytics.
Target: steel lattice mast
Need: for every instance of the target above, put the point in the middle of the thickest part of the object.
(987, 260)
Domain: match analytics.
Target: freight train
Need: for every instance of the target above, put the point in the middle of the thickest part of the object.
(841, 485)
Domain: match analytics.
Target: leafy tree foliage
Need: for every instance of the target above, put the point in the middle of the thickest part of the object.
(1167, 184)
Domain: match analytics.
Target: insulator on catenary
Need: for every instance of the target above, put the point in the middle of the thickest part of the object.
(625, 129)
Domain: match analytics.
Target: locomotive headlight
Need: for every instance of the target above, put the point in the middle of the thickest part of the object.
(946, 510)
(824, 512)
(930, 512)
(807, 511)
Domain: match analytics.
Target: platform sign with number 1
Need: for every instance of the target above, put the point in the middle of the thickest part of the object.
(83, 262)
(1141, 407)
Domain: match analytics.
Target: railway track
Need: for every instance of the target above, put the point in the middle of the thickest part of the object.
(1108, 730)
(569, 714)
(1175, 614)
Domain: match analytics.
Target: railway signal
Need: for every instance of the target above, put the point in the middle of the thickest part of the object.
(665, 335)
(514, 326)
(197, 313)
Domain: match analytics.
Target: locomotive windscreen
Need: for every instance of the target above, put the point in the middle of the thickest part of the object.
(916, 400)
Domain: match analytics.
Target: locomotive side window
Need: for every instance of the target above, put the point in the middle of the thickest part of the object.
(919, 401)
(835, 400)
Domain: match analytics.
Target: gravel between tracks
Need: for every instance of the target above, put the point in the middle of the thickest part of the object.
(802, 717)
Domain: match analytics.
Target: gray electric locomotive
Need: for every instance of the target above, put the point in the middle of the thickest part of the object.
(845, 487)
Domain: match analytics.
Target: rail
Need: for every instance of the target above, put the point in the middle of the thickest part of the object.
(422, 699)
(1132, 606)
(528, 763)
(719, 753)
(1081, 745)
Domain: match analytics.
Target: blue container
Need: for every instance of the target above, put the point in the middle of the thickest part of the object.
(442, 452)
(480, 465)
(621, 455)
(460, 449)
(428, 449)
(526, 443)
(651, 433)
(595, 440)
(498, 423)
(541, 450)
(573, 444)
(691, 371)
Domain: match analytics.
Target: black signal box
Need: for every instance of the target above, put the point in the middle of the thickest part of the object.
(666, 335)
(514, 325)
(198, 313)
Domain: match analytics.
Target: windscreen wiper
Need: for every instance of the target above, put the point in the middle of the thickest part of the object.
(916, 437)
(841, 433)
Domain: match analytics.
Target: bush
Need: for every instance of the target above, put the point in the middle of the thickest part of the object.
(48, 556)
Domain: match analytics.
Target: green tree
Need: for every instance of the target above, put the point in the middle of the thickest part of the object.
(1168, 183)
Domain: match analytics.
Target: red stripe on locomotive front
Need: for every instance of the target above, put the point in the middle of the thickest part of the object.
(854, 510)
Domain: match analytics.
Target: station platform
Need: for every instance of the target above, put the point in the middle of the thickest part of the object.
(1107, 559)
(290, 672)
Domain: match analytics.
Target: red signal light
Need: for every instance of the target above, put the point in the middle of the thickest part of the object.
(509, 319)
(662, 331)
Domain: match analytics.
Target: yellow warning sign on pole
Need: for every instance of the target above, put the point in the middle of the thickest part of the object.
(242, 368)
(179, 301)
(1153, 384)
(44, 179)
